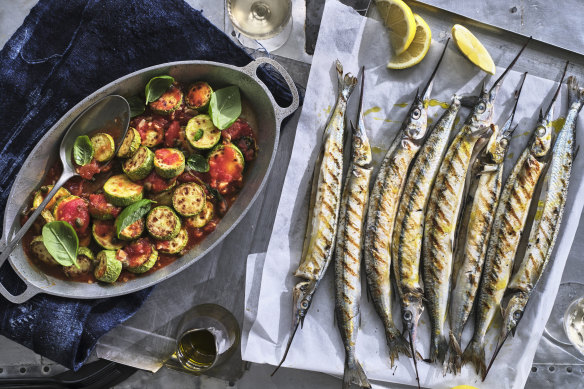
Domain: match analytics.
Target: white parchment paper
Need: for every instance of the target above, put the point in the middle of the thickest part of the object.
(363, 41)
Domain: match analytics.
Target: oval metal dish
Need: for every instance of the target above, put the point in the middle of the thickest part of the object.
(269, 116)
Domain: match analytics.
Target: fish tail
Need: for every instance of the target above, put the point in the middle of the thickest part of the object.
(475, 354)
(455, 357)
(438, 348)
(396, 343)
(575, 94)
(346, 82)
(354, 374)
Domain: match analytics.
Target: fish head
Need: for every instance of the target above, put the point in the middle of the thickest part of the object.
(499, 143)
(412, 309)
(361, 146)
(302, 298)
(481, 115)
(541, 140)
(513, 313)
(416, 123)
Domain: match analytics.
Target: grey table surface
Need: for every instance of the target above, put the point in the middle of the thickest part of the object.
(557, 23)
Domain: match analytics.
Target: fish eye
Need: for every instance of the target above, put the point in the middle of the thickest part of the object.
(481, 107)
(517, 315)
(416, 113)
(504, 142)
(407, 316)
(540, 131)
(304, 304)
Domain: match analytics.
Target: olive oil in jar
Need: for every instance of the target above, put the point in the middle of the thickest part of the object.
(196, 350)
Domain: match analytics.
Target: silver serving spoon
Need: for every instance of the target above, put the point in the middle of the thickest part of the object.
(111, 112)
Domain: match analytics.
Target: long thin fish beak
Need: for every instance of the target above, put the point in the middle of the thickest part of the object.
(360, 120)
(497, 84)
(550, 107)
(500, 344)
(428, 88)
(507, 131)
(287, 348)
(410, 334)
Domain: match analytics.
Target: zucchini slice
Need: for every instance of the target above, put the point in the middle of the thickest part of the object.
(169, 163)
(226, 164)
(104, 233)
(162, 223)
(40, 195)
(203, 217)
(38, 249)
(174, 246)
(75, 211)
(139, 256)
(86, 262)
(188, 199)
(100, 209)
(140, 164)
(108, 268)
(202, 133)
(151, 130)
(199, 95)
(130, 144)
(133, 231)
(120, 191)
(168, 102)
(104, 147)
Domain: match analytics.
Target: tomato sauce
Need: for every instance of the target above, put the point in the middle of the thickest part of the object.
(225, 178)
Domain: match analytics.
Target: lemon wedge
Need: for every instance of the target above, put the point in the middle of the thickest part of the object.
(398, 17)
(472, 48)
(417, 50)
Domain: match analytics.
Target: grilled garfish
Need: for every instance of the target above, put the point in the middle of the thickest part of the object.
(487, 174)
(383, 204)
(348, 249)
(508, 225)
(409, 224)
(442, 215)
(547, 221)
(324, 206)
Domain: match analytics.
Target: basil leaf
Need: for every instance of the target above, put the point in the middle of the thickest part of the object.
(82, 150)
(198, 163)
(225, 107)
(61, 242)
(198, 135)
(137, 106)
(131, 214)
(156, 87)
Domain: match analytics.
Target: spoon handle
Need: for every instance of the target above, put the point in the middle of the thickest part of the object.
(10, 245)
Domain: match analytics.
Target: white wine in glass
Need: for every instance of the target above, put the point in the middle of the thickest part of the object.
(261, 23)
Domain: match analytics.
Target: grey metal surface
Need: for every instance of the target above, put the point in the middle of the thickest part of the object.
(268, 114)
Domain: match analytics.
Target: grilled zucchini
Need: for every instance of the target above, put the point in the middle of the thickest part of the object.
(202, 133)
(140, 164)
(38, 249)
(108, 268)
(203, 217)
(104, 234)
(199, 96)
(120, 191)
(133, 231)
(162, 223)
(104, 147)
(174, 246)
(169, 163)
(131, 143)
(189, 199)
(168, 102)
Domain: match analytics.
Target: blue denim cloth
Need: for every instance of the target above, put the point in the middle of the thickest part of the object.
(64, 51)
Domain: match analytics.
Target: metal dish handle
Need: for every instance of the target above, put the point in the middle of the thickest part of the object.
(19, 298)
(281, 112)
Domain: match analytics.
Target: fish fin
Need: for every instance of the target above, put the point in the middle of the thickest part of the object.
(354, 374)
(475, 354)
(396, 343)
(438, 349)
(455, 357)
(575, 94)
